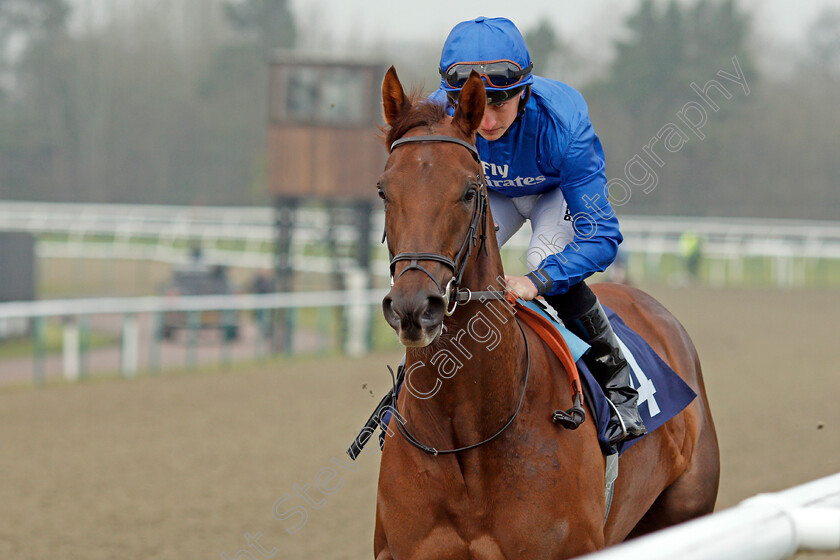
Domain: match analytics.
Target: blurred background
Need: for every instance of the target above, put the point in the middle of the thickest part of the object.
(143, 101)
(189, 246)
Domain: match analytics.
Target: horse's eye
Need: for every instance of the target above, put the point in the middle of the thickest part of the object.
(469, 195)
(380, 192)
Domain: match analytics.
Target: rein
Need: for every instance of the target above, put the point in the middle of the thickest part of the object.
(410, 438)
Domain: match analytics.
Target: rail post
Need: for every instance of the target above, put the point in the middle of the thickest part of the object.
(39, 349)
(70, 349)
(130, 345)
(193, 325)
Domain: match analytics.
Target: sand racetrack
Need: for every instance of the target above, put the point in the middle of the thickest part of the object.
(184, 466)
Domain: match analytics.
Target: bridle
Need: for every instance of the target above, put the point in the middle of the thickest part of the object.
(453, 293)
(571, 418)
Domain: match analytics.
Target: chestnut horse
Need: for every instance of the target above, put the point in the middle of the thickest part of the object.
(524, 488)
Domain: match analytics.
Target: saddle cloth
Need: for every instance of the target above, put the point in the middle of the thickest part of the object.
(662, 393)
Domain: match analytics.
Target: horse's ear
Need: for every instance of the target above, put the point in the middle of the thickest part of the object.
(471, 103)
(394, 99)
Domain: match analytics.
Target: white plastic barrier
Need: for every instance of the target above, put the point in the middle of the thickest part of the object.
(358, 314)
(765, 527)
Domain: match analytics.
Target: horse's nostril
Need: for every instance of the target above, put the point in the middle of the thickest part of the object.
(433, 314)
(388, 311)
(413, 314)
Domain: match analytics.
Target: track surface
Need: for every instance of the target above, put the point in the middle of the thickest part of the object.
(183, 466)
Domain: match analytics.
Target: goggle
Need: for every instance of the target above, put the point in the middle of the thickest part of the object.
(498, 73)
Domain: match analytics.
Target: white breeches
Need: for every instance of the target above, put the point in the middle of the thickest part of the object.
(551, 230)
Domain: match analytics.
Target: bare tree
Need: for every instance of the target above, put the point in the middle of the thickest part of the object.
(824, 44)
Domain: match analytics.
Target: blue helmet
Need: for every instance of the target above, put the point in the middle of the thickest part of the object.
(494, 48)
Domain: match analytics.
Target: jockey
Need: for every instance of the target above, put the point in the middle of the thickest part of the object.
(543, 162)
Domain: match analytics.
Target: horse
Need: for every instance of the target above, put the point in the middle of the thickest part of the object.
(482, 472)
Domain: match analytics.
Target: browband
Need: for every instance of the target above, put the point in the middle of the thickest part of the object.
(438, 138)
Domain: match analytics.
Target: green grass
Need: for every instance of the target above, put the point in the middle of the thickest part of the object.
(53, 342)
(327, 322)
(748, 272)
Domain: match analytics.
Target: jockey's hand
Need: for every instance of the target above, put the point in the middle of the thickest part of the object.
(523, 286)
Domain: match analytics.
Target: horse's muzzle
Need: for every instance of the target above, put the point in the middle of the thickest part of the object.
(417, 317)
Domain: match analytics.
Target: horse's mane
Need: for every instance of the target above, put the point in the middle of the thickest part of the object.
(421, 112)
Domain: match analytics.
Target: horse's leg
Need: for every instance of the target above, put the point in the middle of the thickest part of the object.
(690, 496)
(694, 492)
(380, 543)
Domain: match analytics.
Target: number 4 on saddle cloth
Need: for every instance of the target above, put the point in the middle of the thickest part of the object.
(662, 393)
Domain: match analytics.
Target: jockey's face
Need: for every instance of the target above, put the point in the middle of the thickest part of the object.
(498, 117)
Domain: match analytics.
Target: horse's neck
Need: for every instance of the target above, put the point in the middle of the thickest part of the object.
(477, 366)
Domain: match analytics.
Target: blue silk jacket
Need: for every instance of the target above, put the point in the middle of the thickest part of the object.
(553, 146)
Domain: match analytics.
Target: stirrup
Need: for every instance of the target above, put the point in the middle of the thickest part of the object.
(616, 439)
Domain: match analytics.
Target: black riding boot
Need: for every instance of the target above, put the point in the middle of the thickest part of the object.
(607, 363)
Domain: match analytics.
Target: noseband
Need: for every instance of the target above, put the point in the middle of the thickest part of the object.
(471, 239)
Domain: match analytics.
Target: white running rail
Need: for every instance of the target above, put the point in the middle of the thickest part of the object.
(774, 526)
(254, 225)
(357, 300)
